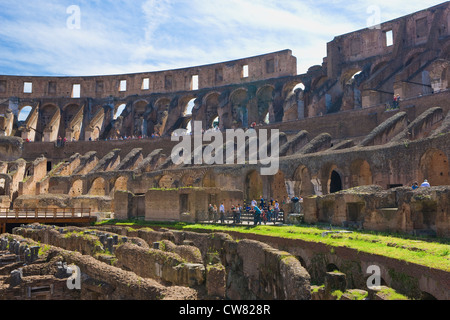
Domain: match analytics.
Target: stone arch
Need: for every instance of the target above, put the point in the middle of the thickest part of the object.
(318, 82)
(49, 122)
(211, 106)
(23, 112)
(76, 188)
(238, 100)
(119, 109)
(332, 267)
(121, 183)
(303, 185)
(253, 186)
(187, 180)
(294, 103)
(98, 187)
(167, 182)
(139, 124)
(209, 180)
(335, 182)
(434, 167)
(5, 184)
(361, 173)
(69, 112)
(264, 97)
(157, 120)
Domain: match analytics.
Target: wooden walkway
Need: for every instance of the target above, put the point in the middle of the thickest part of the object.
(44, 215)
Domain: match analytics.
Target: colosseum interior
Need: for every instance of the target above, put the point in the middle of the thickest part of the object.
(355, 133)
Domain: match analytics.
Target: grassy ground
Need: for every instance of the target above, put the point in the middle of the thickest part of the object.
(430, 252)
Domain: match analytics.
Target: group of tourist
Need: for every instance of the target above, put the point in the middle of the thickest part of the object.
(425, 184)
(266, 211)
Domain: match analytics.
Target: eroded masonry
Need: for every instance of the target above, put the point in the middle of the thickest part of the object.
(355, 133)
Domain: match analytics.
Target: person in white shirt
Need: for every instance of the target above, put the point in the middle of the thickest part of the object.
(425, 184)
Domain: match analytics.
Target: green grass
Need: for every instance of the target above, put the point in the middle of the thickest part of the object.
(433, 253)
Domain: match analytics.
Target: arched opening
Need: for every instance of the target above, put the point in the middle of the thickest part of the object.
(427, 296)
(434, 167)
(265, 103)
(166, 182)
(49, 123)
(98, 187)
(119, 110)
(211, 105)
(24, 113)
(335, 182)
(3, 187)
(332, 267)
(121, 184)
(156, 121)
(239, 110)
(76, 189)
(253, 186)
(189, 107)
(139, 125)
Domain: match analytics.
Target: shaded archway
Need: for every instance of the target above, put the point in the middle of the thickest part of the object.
(335, 182)
(76, 189)
(166, 182)
(265, 104)
(121, 184)
(238, 100)
(434, 167)
(98, 187)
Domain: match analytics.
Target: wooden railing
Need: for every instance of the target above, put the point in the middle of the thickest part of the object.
(45, 213)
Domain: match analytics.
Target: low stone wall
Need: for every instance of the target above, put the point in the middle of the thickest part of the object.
(244, 270)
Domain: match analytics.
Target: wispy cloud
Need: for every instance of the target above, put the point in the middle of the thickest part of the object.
(149, 35)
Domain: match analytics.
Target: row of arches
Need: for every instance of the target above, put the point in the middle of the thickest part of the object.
(306, 181)
(157, 114)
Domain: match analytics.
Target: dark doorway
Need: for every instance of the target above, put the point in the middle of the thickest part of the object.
(336, 182)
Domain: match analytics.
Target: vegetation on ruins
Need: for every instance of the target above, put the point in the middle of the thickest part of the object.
(430, 252)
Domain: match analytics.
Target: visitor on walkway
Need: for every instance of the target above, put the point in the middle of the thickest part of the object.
(257, 215)
(415, 185)
(215, 214)
(276, 210)
(222, 213)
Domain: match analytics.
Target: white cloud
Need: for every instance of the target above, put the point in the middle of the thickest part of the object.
(151, 35)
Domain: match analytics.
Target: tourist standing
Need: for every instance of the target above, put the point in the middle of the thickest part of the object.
(222, 213)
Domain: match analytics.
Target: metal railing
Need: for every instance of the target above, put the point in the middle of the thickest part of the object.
(45, 213)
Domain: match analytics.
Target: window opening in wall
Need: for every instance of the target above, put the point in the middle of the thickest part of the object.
(76, 91)
(270, 66)
(2, 86)
(189, 107)
(245, 71)
(145, 84)
(52, 87)
(123, 85)
(194, 82)
(389, 38)
(49, 166)
(27, 87)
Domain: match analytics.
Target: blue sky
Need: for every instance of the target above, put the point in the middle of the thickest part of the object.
(48, 38)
